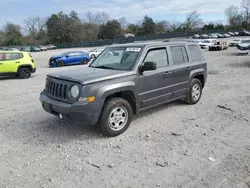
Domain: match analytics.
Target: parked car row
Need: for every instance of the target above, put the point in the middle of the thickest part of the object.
(38, 48)
(218, 45)
(215, 35)
(210, 44)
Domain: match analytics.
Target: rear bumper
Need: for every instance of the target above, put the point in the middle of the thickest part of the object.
(33, 70)
(76, 112)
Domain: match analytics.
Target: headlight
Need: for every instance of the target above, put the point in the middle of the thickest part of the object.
(74, 91)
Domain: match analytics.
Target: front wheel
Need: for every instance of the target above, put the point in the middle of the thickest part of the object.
(59, 63)
(116, 117)
(194, 92)
(24, 73)
(84, 62)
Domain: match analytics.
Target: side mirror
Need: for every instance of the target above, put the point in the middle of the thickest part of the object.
(148, 66)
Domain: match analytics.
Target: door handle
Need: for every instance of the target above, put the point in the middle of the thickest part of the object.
(188, 68)
(0, 63)
(17, 62)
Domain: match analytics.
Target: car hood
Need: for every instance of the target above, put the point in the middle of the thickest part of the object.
(56, 56)
(88, 75)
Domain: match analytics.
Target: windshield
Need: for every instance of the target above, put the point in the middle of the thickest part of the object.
(63, 54)
(117, 58)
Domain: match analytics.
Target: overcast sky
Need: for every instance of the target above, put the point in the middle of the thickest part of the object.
(213, 10)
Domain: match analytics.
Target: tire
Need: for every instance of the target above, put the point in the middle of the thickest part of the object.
(115, 117)
(59, 63)
(195, 91)
(93, 56)
(24, 73)
(84, 62)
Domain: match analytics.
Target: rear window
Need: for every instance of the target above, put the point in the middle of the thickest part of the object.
(13, 56)
(195, 53)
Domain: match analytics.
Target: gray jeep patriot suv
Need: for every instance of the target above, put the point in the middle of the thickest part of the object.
(124, 80)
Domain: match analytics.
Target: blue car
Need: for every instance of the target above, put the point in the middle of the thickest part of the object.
(69, 58)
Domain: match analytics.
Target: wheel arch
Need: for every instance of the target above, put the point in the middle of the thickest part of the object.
(199, 74)
(123, 90)
(24, 66)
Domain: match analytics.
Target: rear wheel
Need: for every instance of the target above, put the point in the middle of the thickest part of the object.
(116, 117)
(24, 73)
(194, 92)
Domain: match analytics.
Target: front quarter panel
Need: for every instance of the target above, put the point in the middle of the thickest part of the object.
(103, 90)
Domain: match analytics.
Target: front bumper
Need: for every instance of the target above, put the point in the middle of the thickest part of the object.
(242, 52)
(77, 112)
(204, 47)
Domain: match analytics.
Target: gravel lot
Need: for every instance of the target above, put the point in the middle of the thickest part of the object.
(169, 146)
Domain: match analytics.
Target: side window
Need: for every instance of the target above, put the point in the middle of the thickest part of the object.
(1, 56)
(179, 54)
(159, 56)
(195, 53)
(13, 56)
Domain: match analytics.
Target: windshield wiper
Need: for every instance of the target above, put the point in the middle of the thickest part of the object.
(103, 67)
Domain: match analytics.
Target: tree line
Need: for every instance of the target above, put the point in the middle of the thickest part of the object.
(70, 28)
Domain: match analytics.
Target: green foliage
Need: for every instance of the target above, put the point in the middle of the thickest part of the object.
(2, 38)
(13, 35)
(110, 30)
(213, 27)
(63, 28)
(148, 26)
(132, 28)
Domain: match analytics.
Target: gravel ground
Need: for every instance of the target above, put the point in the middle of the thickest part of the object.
(176, 145)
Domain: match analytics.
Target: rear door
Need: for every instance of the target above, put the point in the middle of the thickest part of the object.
(181, 68)
(74, 58)
(78, 57)
(154, 84)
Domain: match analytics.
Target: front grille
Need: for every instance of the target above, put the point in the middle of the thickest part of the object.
(58, 89)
